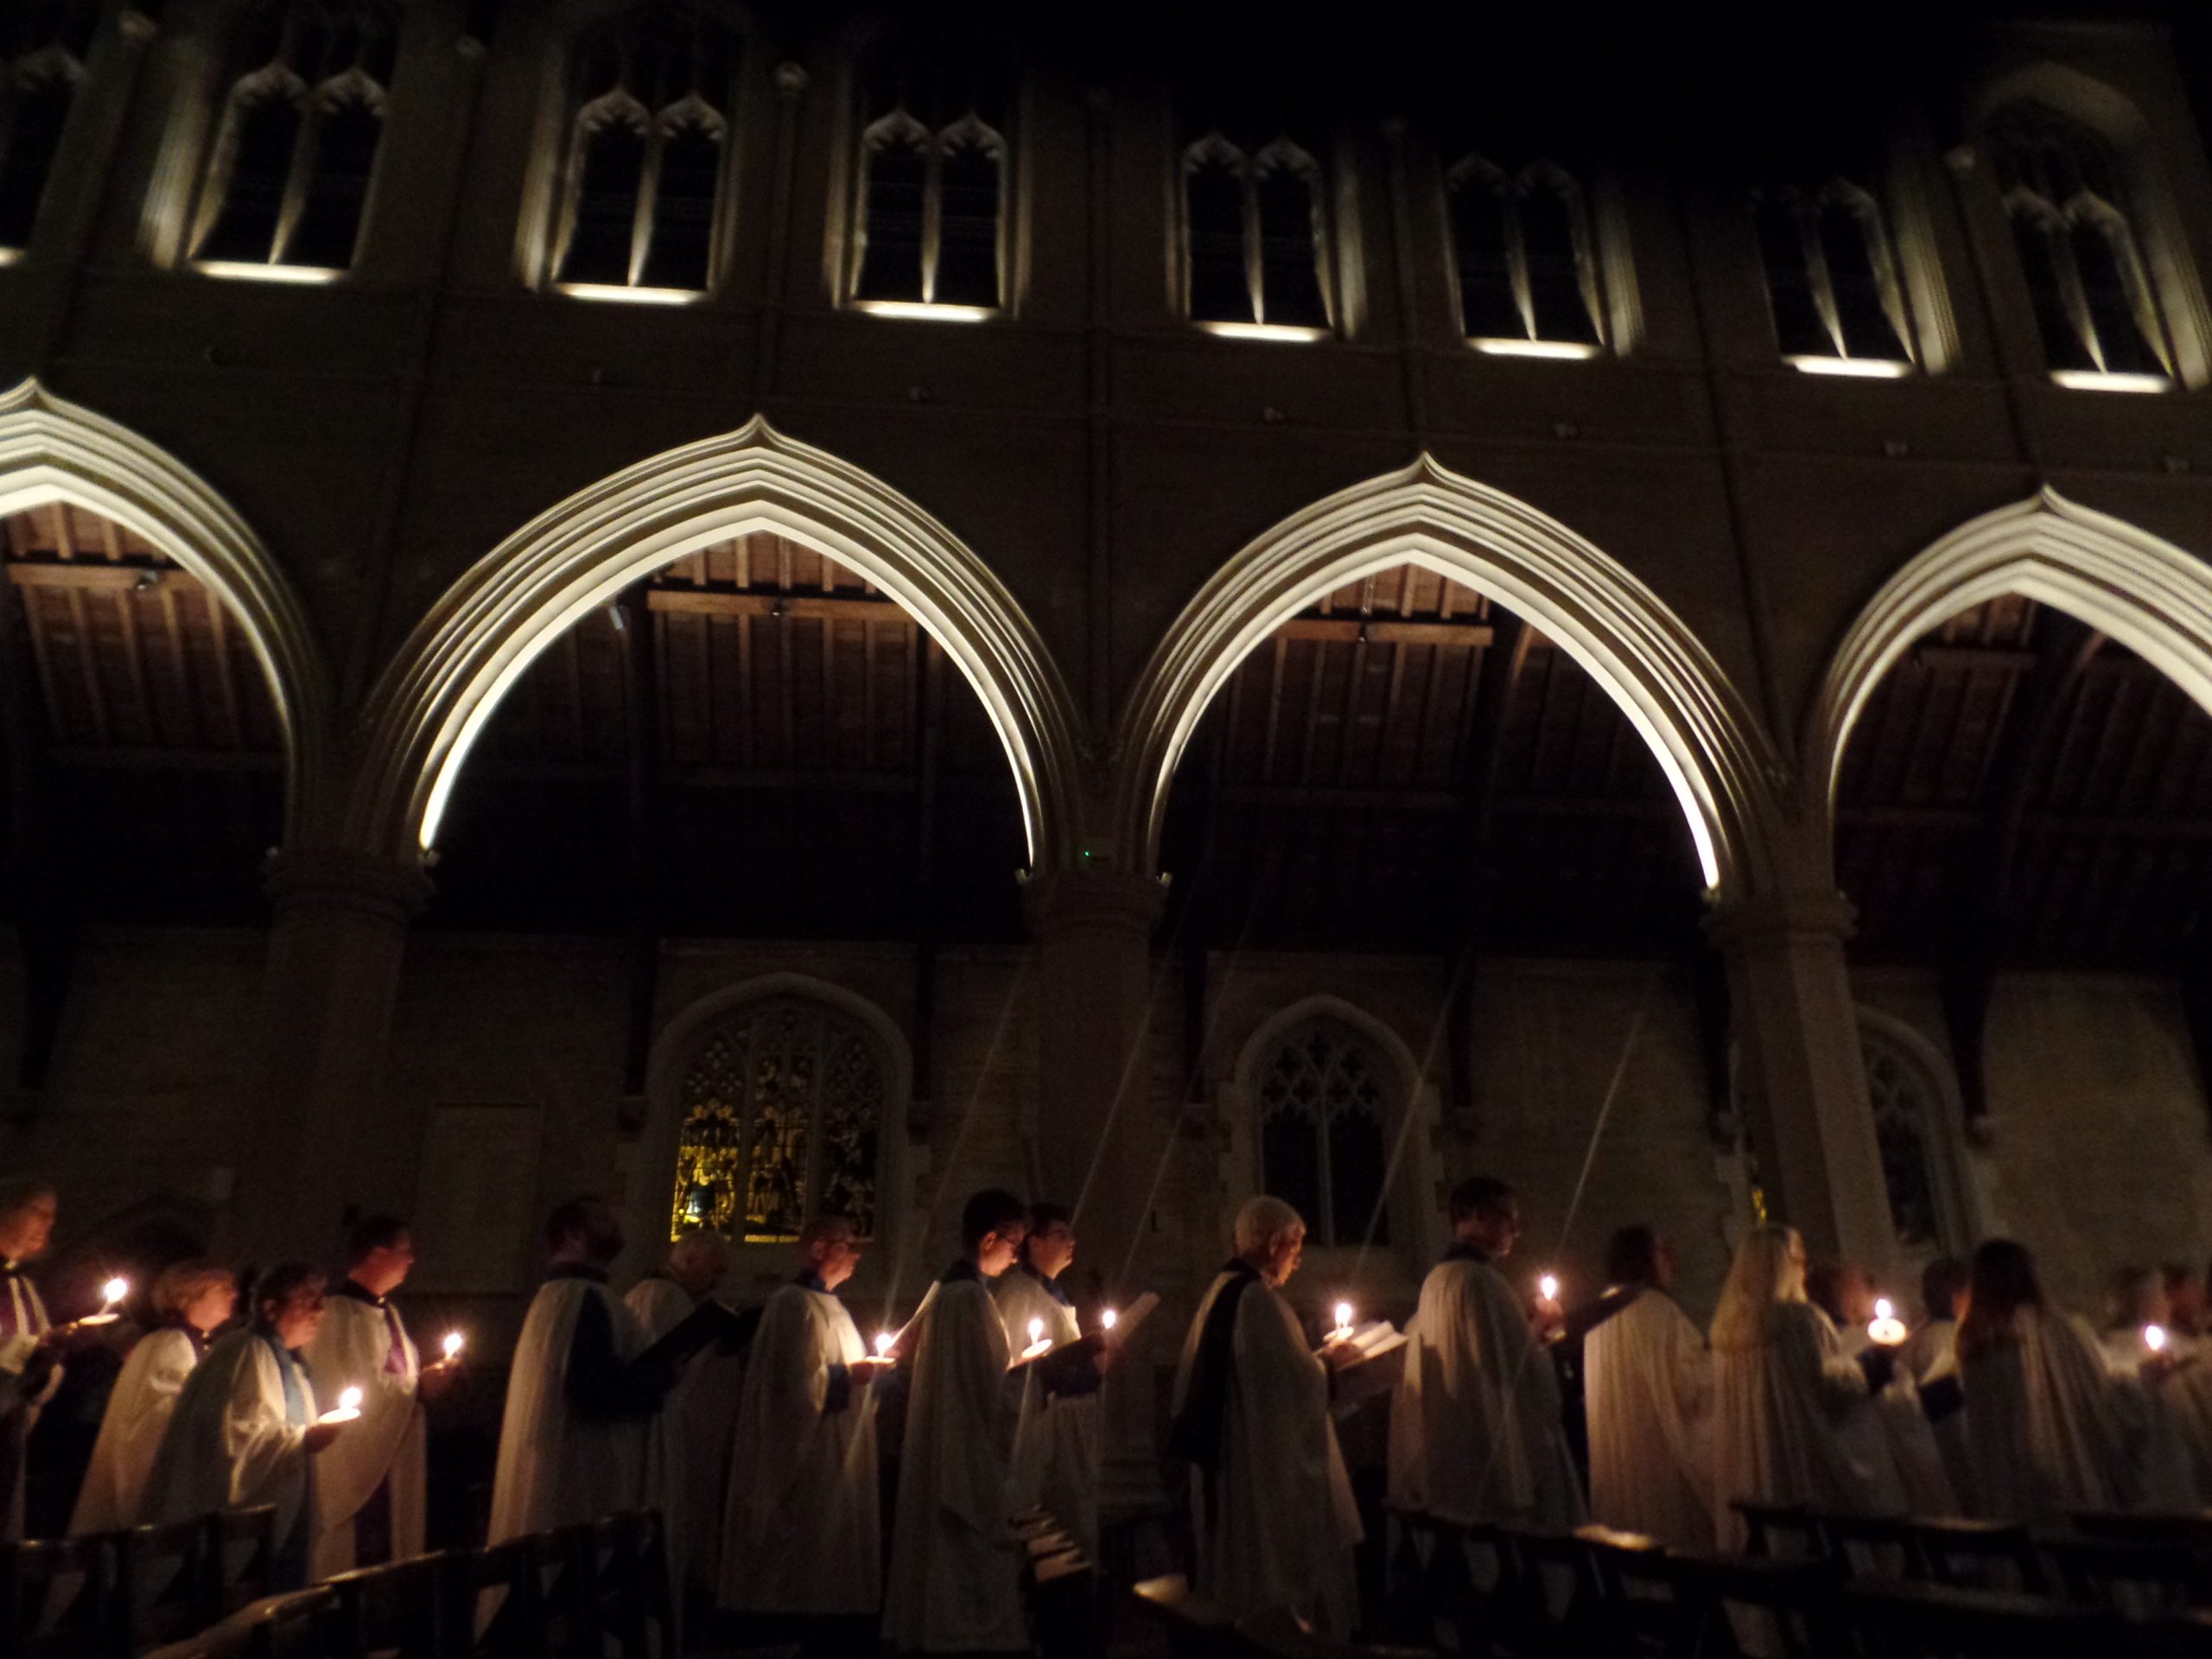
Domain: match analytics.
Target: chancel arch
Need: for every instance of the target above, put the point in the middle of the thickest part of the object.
(484, 635)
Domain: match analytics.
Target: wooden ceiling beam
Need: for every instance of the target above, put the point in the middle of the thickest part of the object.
(101, 578)
(700, 601)
(1334, 630)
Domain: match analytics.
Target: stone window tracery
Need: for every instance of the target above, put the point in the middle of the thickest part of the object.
(930, 219)
(1832, 274)
(1916, 1129)
(1256, 242)
(783, 1110)
(2096, 307)
(43, 52)
(1524, 256)
(287, 179)
(646, 161)
(1325, 1110)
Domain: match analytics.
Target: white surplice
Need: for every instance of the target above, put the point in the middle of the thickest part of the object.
(229, 1444)
(138, 1412)
(1475, 1432)
(556, 1464)
(1648, 1387)
(955, 1584)
(802, 1533)
(1056, 1447)
(1781, 1410)
(2050, 1429)
(23, 1324)
(1276, 1523)
(695, 1431)
(2161, 1474)
(387, 1444)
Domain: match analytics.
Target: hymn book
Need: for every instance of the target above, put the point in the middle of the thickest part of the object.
(1368, 1362)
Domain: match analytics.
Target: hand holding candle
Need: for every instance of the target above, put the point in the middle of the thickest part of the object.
(453, 1346)
(1548, 1288)
(1887, 1330)
(349, 1408)
(1039, 1343)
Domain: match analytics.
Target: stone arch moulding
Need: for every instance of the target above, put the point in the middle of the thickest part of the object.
(2134, 587)
(487, 628)
(53, 450)
(646, 1220)
(1710, 746)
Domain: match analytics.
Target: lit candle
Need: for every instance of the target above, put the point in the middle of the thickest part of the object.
(1344, 1320)
(115, 1290)
(1036, 1331)
(1887, 1330)
(1547, 1287)
(2154, 1338)
(1109, 1319)
(453, 1340)
(883, 1341)
(349, 1400)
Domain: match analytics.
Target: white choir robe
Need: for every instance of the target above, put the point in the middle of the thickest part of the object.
(2189, 1393)
(2161, 1470)
(803, 1533)
(1056, 1445)
(556, 1465)
(2050, 1429)
(387, 1443)
(1277, 1523)
(1892, 1436)
(138, 1412)
(695, 1432)
(1780, 1408)
(1476, 1432)
(22, 1323)
(229, 1444)
(955, 1584)
(1931, 1353)
(1647, 1388)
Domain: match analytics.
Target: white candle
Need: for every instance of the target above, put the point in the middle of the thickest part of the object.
(1343, 1318)
(1109, 1319)
(2154, 1338)
(453, 1344)
(1036, 1331)
(1887, 1329)
(1547, 1287)
(883, 1341)
(115, 1290)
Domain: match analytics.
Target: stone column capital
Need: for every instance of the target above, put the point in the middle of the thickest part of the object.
(1778, 920)
(336, 879)
(1057, 901)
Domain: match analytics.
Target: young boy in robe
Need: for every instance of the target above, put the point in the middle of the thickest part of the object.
(802, 1540)
(1273, 1506)
(701, 1410)
(369, 1487)
(1475, 1434)
(956, 1566)
(245, 1430)
(1648, 1390)
(1055, 1447)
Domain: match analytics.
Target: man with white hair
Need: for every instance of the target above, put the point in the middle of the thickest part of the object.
(697, 1425)
(1274, 1511)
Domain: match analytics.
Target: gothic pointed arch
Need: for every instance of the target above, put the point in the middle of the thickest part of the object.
(1708, 744)
(2136, 587)
(55, 451)
(486, 630)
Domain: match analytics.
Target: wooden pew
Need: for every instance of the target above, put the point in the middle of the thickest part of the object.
(59, 1595)
(1909, 1621)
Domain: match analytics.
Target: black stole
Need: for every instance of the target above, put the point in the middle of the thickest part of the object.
(1196, 1434)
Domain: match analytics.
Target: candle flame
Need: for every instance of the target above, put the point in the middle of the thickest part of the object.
(1883, 1309)
(1036, 1329)
(349, 1400)
(883, 1341)
(115, 1290)
(1343, 1316)
(453, 1343)
(2154, 1338)
(1547, 1287)
(1109, 1319)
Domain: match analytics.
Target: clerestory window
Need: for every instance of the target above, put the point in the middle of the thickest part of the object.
(2096, 308)
(1524, 260)
(1832, 280)
(1255, 239)
(647, 158)
(287, 186)
(1325, 1110)
(43, 52)
(928, 219)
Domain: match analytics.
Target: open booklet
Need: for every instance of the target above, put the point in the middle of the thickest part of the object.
(1368, 1362)
(1055, 1365)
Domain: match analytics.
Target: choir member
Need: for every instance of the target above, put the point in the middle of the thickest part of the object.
(1784, 1389)
(244, 1431)
(574, 1443)
(701, 1410)
(2050, 1428)
(2188, 1391)
(1648, 1391)
(956, 1574)
(1888, 1436)
(369, 1486)
(802, 1546)
(1476, 1431)
(1931, 1351)
(29, 1370)
(190, 1300)
(2185, 1300)
(2161, 1472)
(1273, 1514)
(1055, 1447)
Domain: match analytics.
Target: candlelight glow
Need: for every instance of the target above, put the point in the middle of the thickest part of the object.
(349, 1400)
(2154, 1338)
(1343, 1316)
(1883, 1308)
(1547, 1287)
(115, 1290)
(453, 1344)
(1887, 1330)
(1109, 1319)
(883, 1341)
(1036, 1329)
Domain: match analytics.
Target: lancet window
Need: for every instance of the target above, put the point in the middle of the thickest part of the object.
(783, 1119)
(1909, 1121)
(288, 180)
(1832, 274)
(647, 156)
(2096, 307)
(1524, 256)
(1255, 236)
(1325, 1109)
(43, 52)
(929, 221)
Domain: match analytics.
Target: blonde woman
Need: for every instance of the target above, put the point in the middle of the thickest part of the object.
(190, 1300)
(1784, 1391)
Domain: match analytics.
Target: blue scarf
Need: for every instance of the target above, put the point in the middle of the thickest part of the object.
(289, 1567)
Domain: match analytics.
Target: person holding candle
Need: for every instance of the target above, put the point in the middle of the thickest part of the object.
(2140, 1349)
(190, 1300)
(955, 1584)
(369, 1487)
(802, 1542)
(1055, 1447)
(1272, 1504)
(1888, 1437)
(1476, 1428)
(1648, 1395)
(29, 1361)
(246, 1429)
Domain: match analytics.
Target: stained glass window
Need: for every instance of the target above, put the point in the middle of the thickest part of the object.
(1325, 1112)
(782, 1115)
(1905, 1124)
